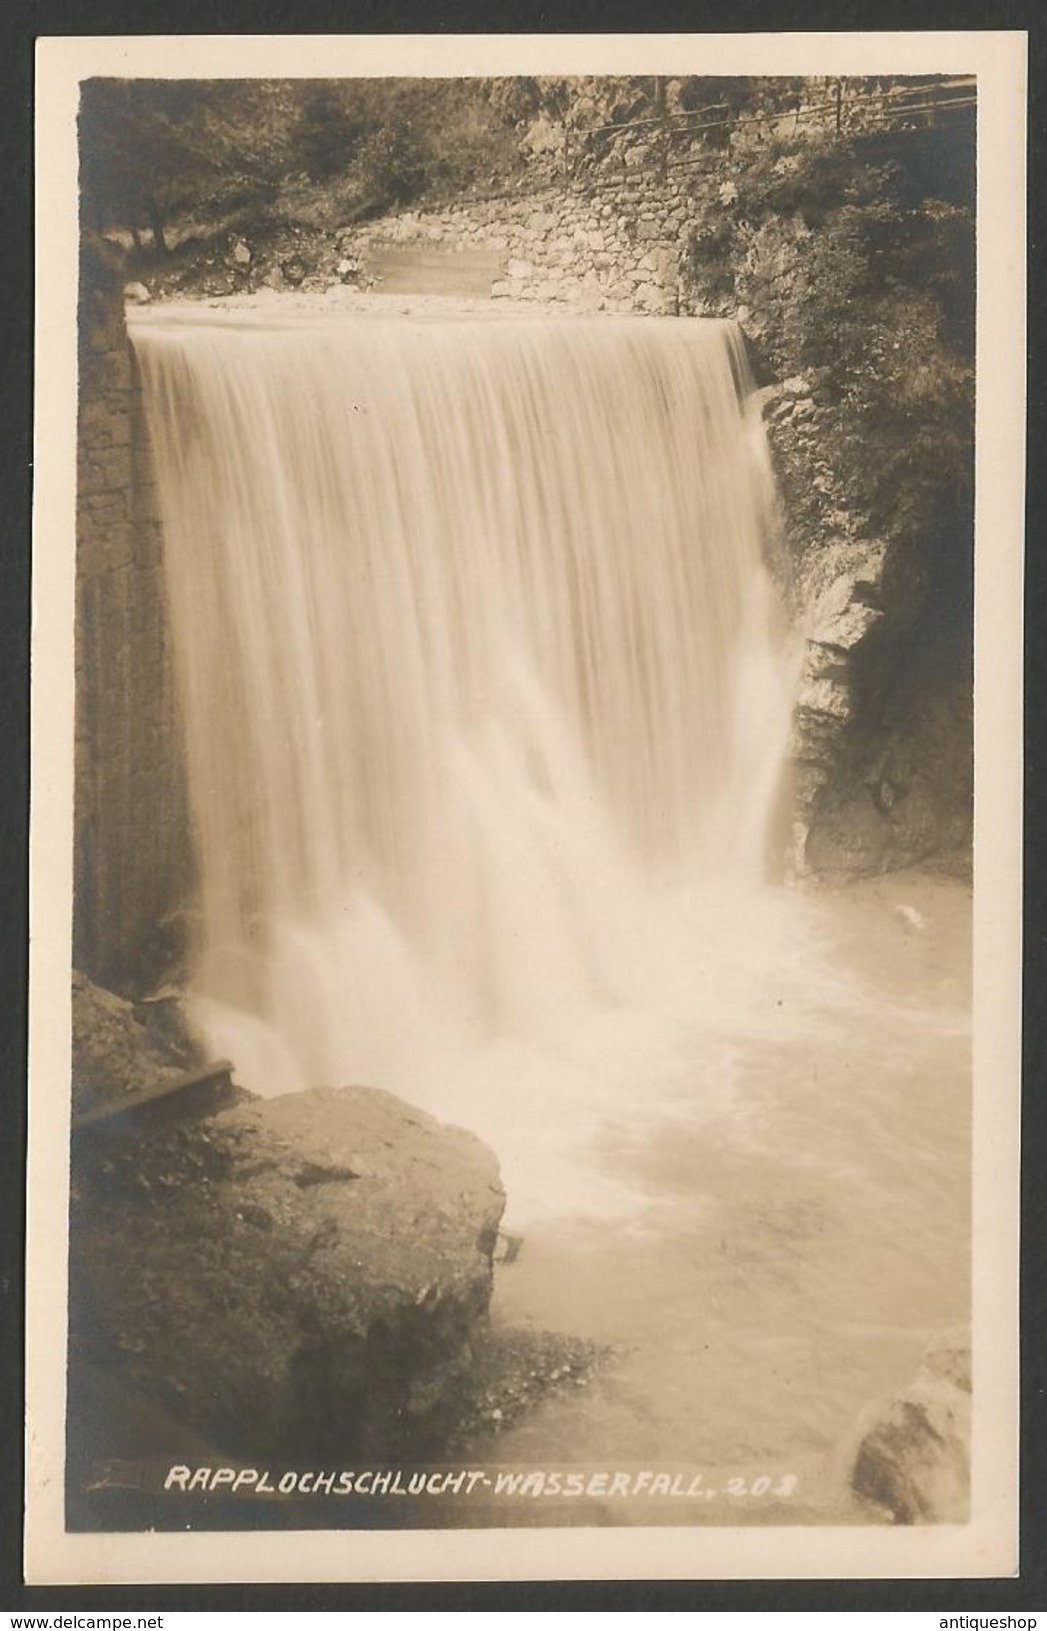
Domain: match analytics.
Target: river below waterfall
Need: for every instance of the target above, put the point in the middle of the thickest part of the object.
(780, 1265)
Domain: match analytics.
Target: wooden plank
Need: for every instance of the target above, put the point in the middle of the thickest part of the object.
(427, 268)
(184, 1094)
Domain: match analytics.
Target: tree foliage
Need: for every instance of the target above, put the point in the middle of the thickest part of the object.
(153, 149)
(856, 259)
(156, 150)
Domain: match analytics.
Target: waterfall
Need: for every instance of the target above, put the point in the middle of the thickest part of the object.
(479, 658)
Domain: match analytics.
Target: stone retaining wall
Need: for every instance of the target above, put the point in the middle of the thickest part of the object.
(131, 841)
(593, 250)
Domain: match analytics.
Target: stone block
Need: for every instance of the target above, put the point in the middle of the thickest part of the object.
(825, 696)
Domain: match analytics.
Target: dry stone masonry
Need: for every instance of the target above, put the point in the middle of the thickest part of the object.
(593, 251)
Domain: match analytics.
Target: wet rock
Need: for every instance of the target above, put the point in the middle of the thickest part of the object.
(903, 795)
(847, 836)
(823, 694)
(296, 1276)
(841, 616)
(119, 1050)
(842, 573)
(914, 1462)
(514, 1369)
(875, 710)
(136, 294)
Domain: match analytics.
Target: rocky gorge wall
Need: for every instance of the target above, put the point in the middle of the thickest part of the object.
(850, 267)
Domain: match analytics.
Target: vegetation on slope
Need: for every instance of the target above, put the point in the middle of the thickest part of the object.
(851, 266)
(855, 259)
(158, 153)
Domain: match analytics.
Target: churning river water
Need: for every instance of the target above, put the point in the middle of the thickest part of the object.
(782, 1256)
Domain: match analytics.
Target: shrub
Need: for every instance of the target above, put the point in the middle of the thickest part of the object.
(851, 271)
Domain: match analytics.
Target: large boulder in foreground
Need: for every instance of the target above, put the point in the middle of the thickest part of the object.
(913, 1464)
(295, 1277)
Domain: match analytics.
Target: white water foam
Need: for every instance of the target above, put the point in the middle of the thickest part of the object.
(487, 699)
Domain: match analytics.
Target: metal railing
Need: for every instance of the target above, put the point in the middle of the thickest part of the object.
(683, 139)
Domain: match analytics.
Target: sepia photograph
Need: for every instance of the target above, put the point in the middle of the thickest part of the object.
(524, 940)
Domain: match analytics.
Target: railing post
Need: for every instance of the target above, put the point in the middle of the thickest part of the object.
(663, 127)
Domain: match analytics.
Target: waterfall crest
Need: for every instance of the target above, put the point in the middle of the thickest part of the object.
(477, 653)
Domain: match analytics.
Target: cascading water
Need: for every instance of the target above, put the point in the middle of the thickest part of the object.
(486, 691)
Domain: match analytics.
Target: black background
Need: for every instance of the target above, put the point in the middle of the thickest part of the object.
(21, 22)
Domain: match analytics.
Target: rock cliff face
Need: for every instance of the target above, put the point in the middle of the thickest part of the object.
(849, 266)
(883, 727)
(292, 1276)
